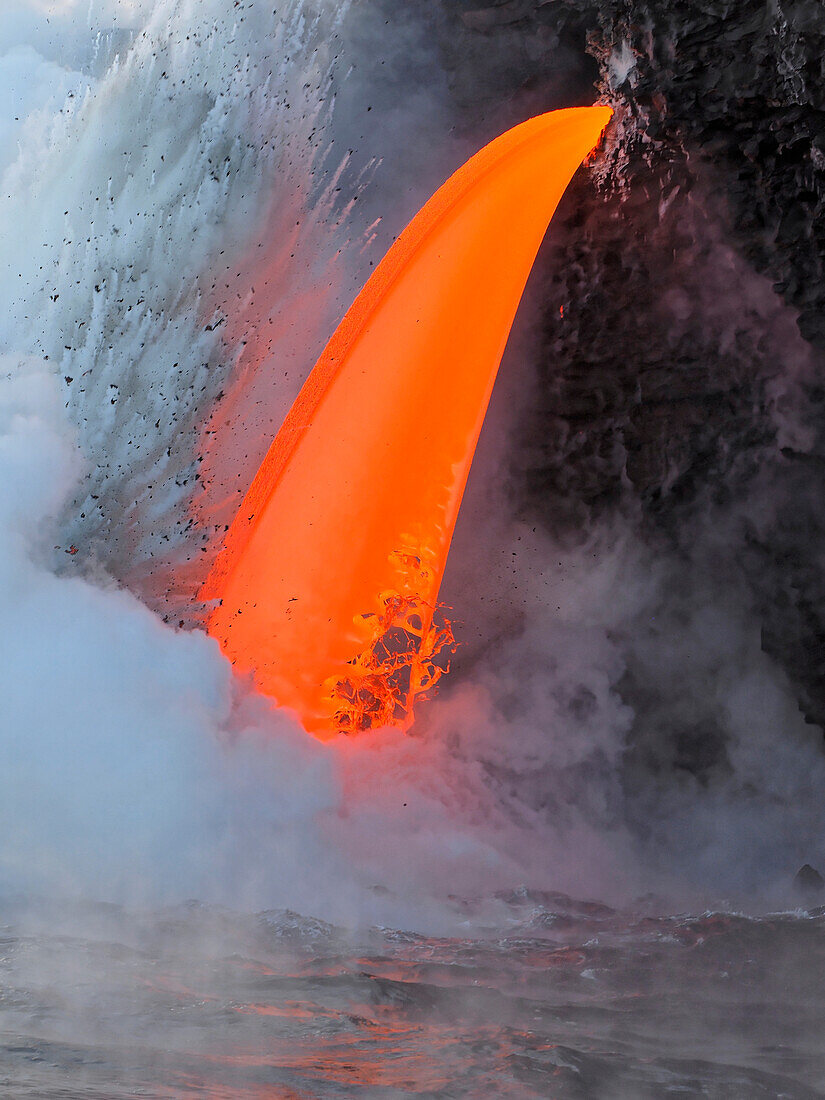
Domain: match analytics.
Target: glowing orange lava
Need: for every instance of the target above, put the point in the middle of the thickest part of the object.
(330, 571)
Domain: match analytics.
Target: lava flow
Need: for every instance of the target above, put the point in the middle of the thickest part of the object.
(328, 581)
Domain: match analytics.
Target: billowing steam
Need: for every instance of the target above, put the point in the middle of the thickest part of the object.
(185, 210)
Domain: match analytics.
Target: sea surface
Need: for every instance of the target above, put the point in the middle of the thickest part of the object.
(560, 999)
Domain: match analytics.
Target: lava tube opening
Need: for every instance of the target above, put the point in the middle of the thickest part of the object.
(328, 579)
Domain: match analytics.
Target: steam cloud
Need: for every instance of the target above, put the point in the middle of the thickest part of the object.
(180, 231)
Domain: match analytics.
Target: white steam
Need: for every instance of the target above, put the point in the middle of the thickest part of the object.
(170, 222)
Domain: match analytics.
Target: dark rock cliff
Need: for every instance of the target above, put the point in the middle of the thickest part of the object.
(684, 329)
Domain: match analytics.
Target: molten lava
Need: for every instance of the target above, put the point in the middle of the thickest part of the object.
(329, 576)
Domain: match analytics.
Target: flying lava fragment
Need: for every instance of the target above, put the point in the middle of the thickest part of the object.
(328, 580)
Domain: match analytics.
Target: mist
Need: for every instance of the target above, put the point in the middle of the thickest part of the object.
(191, 195)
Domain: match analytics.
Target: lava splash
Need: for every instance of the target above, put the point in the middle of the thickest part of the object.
(328, 581)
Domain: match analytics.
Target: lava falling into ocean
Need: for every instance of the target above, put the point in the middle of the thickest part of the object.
(328, 583)
(231, 864)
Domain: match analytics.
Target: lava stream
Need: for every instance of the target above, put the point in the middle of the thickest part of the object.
(327, 584)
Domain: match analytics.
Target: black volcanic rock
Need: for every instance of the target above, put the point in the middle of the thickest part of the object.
(684, 293)
(808, 880)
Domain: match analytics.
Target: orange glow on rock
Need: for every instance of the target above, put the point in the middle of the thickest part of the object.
(330, 572)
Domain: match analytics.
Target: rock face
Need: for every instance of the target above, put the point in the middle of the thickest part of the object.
(684, 331)
(808, 881)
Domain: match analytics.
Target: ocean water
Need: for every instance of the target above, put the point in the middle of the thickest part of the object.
(558, 998)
